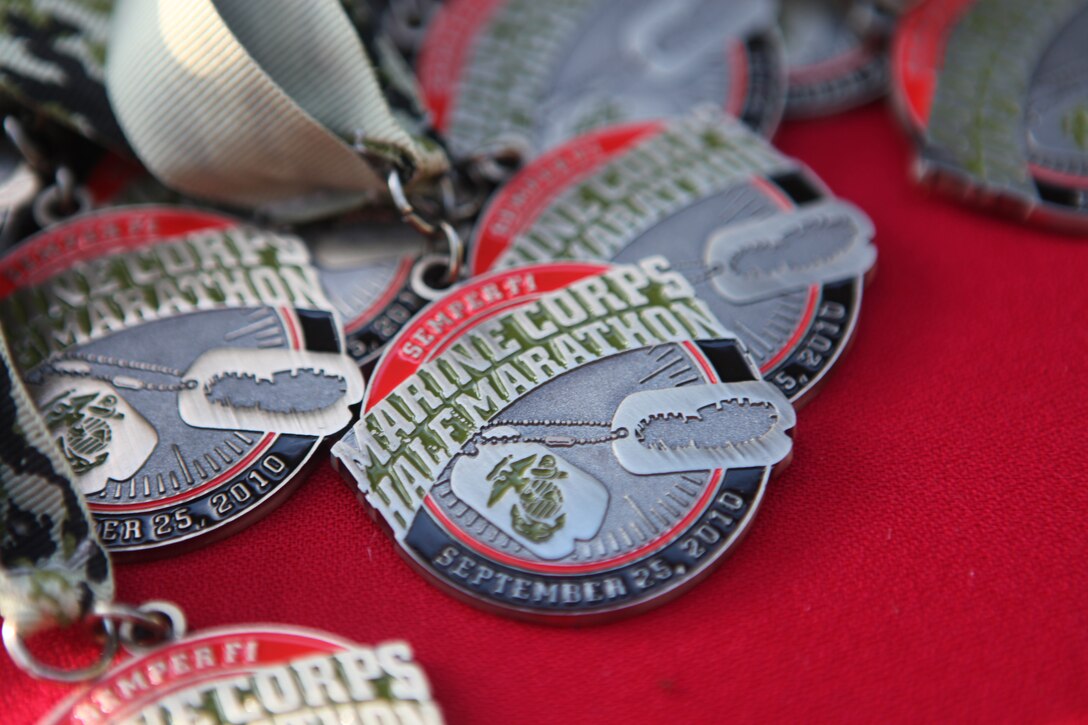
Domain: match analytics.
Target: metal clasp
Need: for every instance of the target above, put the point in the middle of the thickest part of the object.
(137, 628)
(434, 232)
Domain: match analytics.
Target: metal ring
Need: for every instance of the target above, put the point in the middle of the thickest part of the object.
(17, 649)
(165, 617)
(408, 212)
(455, 253)
(418, 281)
(497, 164)
(459, 210)
(45, 204)
(455, 247)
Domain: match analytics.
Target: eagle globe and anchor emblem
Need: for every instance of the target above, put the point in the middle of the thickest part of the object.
(82, 425)
(537, 515)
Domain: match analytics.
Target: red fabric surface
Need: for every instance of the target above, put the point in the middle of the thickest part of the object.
(922, 559)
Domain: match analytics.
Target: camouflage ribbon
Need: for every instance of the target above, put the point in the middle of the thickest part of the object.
(52, 567)
(52, 59)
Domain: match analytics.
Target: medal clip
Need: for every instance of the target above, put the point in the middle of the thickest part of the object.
(128, 383)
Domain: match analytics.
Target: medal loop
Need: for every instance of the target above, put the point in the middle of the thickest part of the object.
(434, 231)
(17, 649)
(61, 200)
(137, 628)
(145, 626)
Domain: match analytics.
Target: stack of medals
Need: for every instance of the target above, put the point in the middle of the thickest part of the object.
(592, 420)
(580, 426)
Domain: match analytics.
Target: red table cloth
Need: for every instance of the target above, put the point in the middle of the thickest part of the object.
(922, 559)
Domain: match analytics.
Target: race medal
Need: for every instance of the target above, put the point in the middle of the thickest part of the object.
(524, 76)
(371, 272)
(566, 440)
(777, 259)
(259, 673)
(996, 92)
(187, 367)
(831, 66)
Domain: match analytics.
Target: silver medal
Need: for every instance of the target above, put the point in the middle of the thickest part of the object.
(522, 76)
(188, 368)
(777, 259)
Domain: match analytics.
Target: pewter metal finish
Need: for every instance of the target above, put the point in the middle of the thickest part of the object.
(724, 425)
(271, 391)
(764, 326)
(815, 30)
(641, 506)
(645, 59)
(613, 61)
(583, 499)
(976, 127)
(185, 455)
(814, 245)
(147, 370)
(765, 323)
(1057, 105)
(358, 261)
(112, 392)
(819, 33)
(125, 424)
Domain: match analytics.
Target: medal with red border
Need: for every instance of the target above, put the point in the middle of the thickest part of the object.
(775, 256)
(187, 366)
(996, 94)
(832, 64)
(567, 441)
(262, 672)
(375, 276)
(517, 77)
(372, 267)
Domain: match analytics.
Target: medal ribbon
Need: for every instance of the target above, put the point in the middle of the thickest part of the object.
(52, 567)
(287, 108)
(250, 103)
